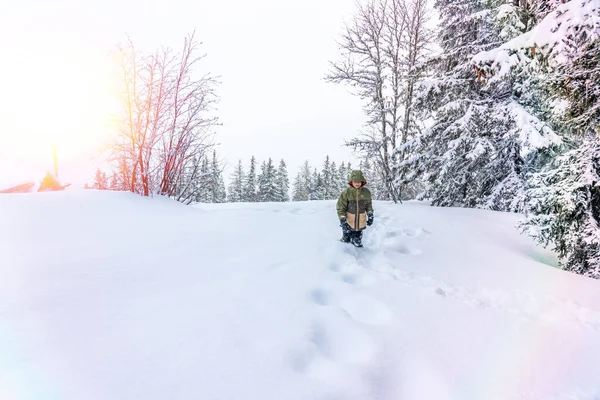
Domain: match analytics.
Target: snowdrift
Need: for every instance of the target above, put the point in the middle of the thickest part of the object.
(107, 295)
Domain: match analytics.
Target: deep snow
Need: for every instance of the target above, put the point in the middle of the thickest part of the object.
(111, 296)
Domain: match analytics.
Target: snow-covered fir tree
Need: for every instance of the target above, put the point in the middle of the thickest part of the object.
(236, 187)
(250, 188)
(454, 98)
(216, 184)
(282, 182)
(267, 183)
(202, 183)
(299, 190)
(335, 180)
(474, 153)
(561, 54)
(329, 191)
(343, 176)
(317, 187)
(305, 182)
(564, 207)
(565, 195)
(260, 181)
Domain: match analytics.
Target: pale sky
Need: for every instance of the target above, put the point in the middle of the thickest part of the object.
(271, 55)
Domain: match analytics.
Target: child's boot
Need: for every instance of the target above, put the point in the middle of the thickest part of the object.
(357, 239)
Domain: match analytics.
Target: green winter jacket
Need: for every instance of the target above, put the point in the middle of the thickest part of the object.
(354, 204)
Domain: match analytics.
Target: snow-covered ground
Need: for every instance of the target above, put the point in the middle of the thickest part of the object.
(111, 296)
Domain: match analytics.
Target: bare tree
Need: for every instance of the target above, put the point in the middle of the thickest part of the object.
(363, 68)
(165, 131)
(380, 51)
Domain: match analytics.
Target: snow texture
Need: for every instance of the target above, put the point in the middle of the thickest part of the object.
(108, 295)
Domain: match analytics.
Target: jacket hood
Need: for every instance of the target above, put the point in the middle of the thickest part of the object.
(357, 176)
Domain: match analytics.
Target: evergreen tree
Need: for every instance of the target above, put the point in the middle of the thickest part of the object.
(261, 182)
(459, 106)
(327, 180)
(250, 184)
(306, 182)
(336, 188)
(215, 184)
(236, 188)
(473, 154)
(565, 207)
(317, 188)
(267, 183)
(299, 191)
(202, 183)
(221, 196)
(557, 80)
(343, 176)
(282, 183)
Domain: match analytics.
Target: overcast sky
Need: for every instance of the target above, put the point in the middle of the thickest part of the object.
(271, 55)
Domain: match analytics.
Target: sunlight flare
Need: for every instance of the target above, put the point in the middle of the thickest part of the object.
(56, 91)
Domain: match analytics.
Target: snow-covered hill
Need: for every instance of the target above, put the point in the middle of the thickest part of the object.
(112, 296)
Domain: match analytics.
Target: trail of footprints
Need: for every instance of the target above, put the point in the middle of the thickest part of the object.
(340, 344)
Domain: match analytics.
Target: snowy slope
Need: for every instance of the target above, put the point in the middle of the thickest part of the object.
(113, 296)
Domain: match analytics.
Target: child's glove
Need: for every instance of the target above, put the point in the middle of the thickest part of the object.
(344, 224)
(370, 218)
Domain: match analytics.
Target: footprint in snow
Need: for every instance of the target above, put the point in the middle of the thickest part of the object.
(335, 267)
(320, 297)
(349, 278)
(358, 279)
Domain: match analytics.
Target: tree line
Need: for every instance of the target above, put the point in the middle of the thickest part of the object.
(264, 183)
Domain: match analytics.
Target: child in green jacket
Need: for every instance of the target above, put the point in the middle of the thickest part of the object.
(355, 209)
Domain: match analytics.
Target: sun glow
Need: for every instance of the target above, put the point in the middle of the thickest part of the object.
(54, 91)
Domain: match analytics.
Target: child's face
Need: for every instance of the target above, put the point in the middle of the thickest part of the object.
(356, 184)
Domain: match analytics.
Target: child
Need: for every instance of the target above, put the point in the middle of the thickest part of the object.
(355, 209)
